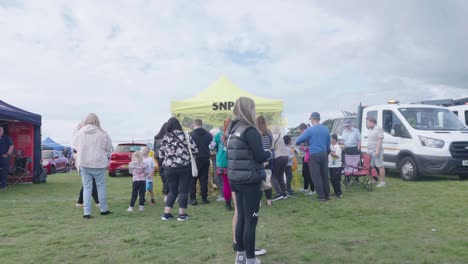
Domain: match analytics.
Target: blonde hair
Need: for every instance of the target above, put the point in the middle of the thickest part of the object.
(145, 151)
(137, 156)
(244, 110)
(92, 119)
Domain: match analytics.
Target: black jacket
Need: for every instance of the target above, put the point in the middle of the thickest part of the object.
(245, 154)
(203, 139)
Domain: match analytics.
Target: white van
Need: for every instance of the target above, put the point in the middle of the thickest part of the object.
(461, 111)
(419, 139)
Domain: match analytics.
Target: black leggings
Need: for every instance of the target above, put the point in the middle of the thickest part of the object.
(138, 189)
(247, 202)
(277, 178)
(178, 180)
(306, 175)
(94, 193)
(165, 188)
(335, 178)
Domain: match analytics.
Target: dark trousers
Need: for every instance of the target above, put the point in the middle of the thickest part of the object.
(94, 194)
(318, 166)
(306, 175)
(277, 178)
(4, 165)
(203, 166)
(247, 202)
(289, 177)
(335, 178)
(179, 183)
(139, 188)
(165, 188)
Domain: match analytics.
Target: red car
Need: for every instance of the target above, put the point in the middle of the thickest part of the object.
(54, 161)
(121, 157)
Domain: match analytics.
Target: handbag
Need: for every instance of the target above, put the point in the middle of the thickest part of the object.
(192, 158)
(266, 184)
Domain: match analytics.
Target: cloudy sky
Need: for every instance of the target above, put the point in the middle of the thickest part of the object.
(126, 60)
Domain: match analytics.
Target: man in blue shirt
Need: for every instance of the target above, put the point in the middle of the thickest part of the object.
(351, 138)
(6, 149)
(318, 137)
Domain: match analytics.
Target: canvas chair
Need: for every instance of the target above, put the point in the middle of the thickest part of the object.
(363, 175)
(20, 172)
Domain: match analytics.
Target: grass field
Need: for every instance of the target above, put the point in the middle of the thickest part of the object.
(405, 222)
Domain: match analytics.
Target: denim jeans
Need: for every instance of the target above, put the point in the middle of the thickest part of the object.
(87, 175)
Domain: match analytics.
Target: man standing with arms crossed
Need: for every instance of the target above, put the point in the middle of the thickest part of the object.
(202, 139)
(318, 137)
(6, 150)
(375, 149)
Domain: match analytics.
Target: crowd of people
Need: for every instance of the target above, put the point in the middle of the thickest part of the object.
(250, 160)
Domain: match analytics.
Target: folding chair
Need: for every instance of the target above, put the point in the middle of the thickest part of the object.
(20, 172)
(363, 175)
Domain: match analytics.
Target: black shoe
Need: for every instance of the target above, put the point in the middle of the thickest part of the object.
(193, 202)
(166, 217)
(205, 201)
(106, 212)
(291, 193)
(338, 195)
(278, 197)
(87, 217)
(183, 217)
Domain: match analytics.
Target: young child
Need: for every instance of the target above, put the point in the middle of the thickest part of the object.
(139, 170)
(334, 165)
(149, 161)
(288, 171)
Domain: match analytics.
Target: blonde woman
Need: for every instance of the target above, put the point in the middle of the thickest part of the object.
(245, 162)
(92, 144)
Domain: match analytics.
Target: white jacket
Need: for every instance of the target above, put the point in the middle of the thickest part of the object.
(279, 146)
(92, 146)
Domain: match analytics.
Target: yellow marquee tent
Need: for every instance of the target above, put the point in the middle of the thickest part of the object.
(216, 102)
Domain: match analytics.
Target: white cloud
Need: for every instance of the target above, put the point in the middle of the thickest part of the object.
(126, 60)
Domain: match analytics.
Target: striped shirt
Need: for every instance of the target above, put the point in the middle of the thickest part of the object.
(267, 139)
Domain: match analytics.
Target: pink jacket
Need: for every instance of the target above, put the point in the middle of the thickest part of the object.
(92, 145)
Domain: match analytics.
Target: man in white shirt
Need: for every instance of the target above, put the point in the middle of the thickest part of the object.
(375, 149)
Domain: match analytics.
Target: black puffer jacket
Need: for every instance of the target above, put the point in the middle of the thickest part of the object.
(203, 139)
(245, 154)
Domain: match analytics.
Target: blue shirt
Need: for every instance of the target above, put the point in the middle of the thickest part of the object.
(318, 137)
(5, 143)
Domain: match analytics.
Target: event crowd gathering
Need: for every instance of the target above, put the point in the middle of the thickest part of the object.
(251, 160)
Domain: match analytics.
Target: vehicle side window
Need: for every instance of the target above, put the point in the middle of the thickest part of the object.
(393, 126)
(466, 118)
(455, 112)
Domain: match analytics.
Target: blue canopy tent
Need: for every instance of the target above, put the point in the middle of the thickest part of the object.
(49, 143)
(25, 130)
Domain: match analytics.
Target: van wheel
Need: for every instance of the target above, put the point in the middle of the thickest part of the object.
(52, 170)
(463, 176)
(409, 169)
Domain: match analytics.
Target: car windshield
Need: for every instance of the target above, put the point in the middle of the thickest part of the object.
(431, 118)
(47, 154)
(127, 148)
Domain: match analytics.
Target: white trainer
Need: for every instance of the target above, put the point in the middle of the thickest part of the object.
(141, 208)
(380, 184)
(130, 209)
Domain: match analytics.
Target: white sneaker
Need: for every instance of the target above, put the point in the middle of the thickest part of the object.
(381, 184)
(220, 199)
(130, 209)
(309, 193)
(301, 190)
(253, 261)
(78, 205)
(98, 205)
(165, 198)
(141, 208)
(260, 251)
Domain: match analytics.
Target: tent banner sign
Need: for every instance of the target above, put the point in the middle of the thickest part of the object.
(223, 106)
